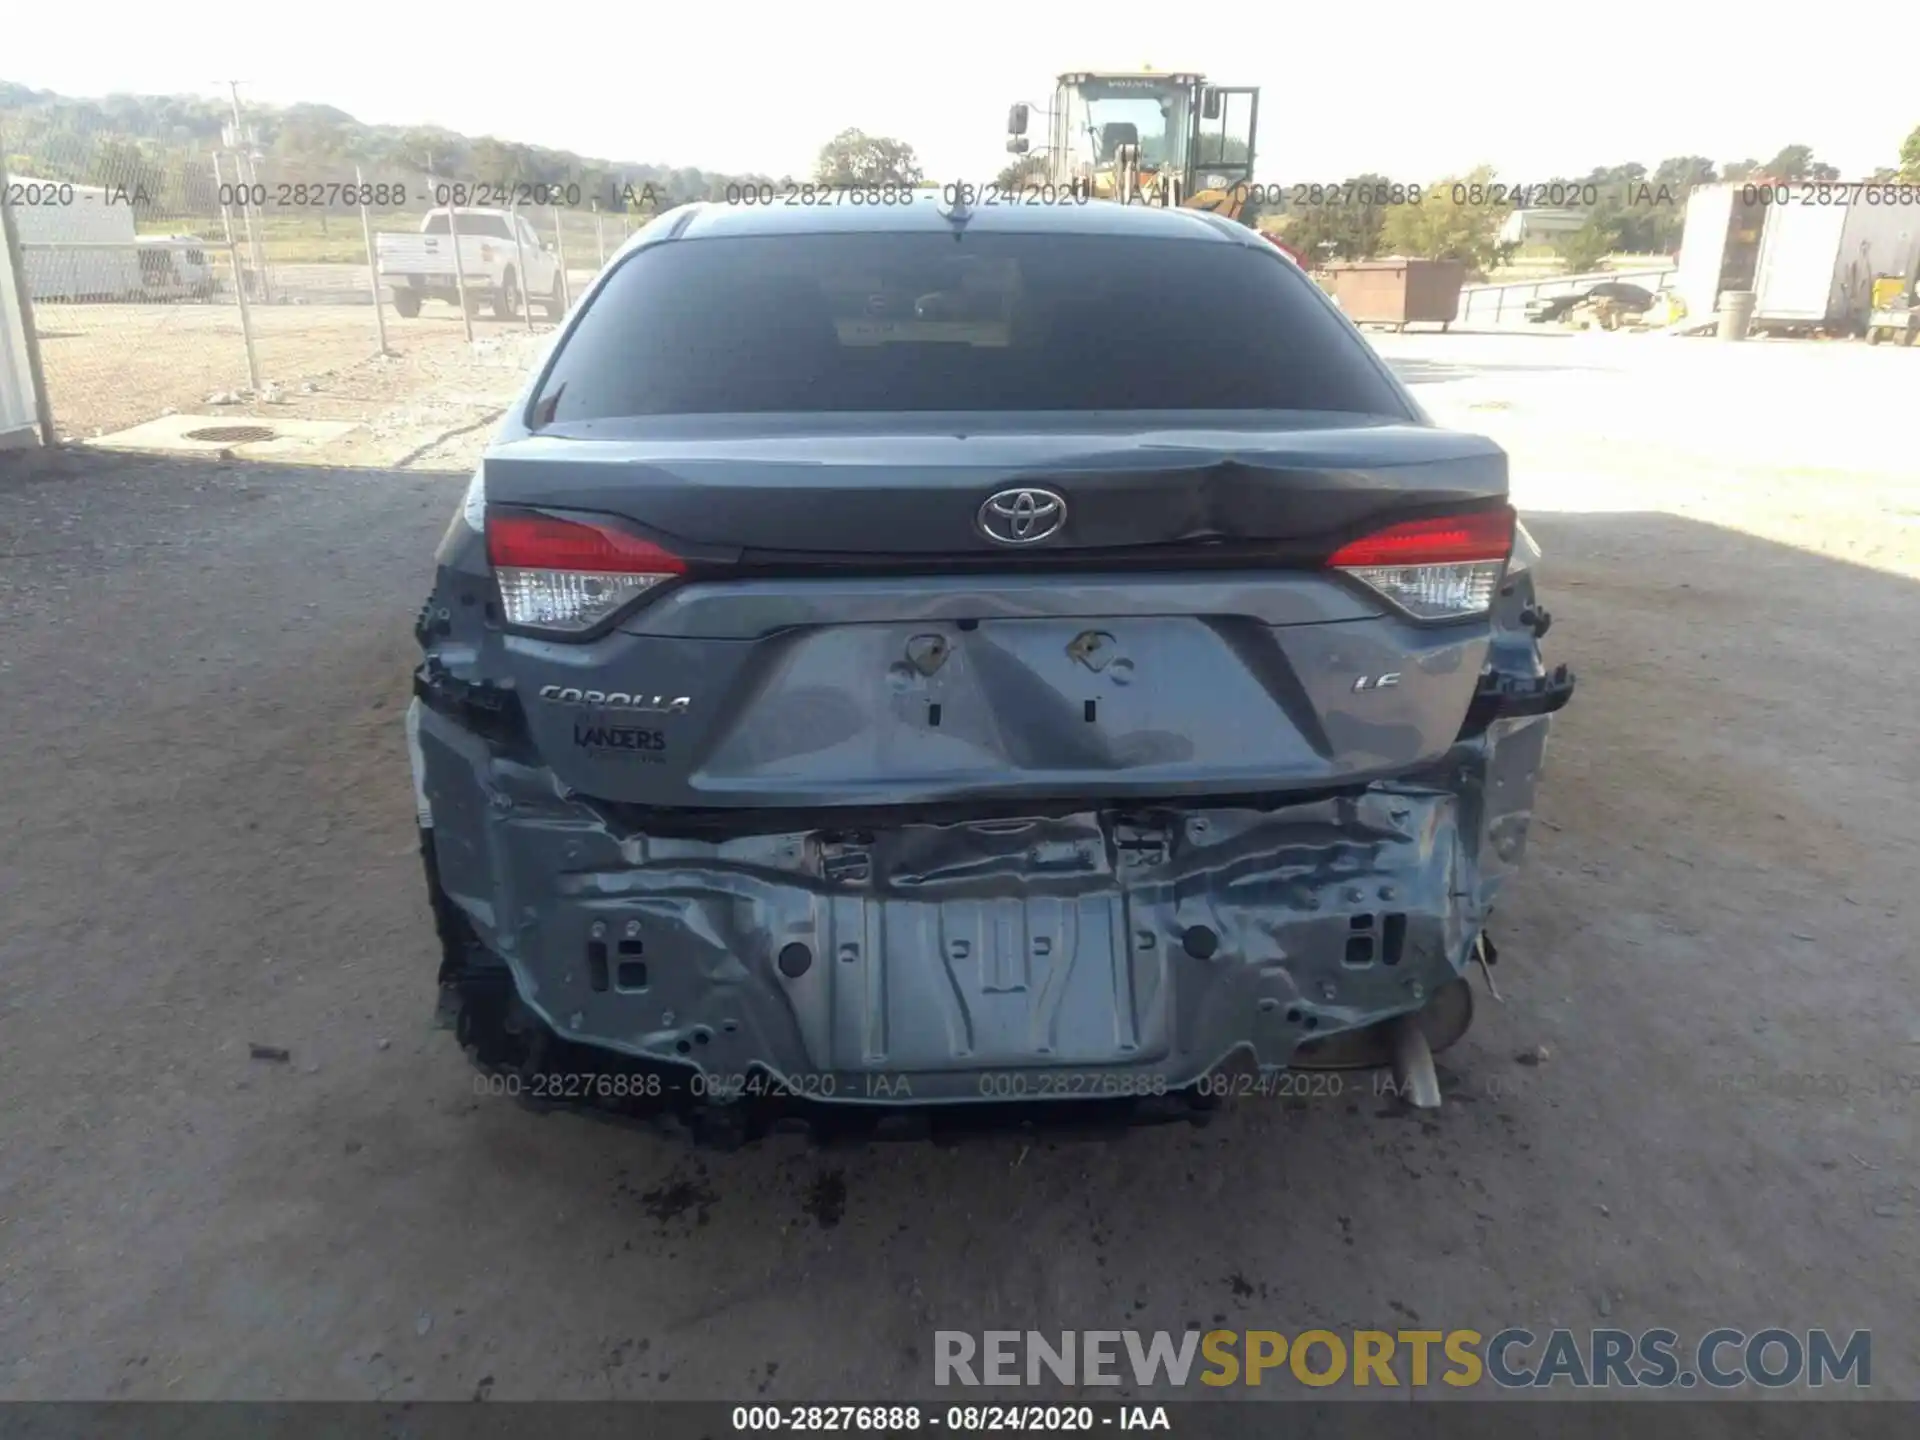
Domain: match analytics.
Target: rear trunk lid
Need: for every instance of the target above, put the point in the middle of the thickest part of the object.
(851, 631)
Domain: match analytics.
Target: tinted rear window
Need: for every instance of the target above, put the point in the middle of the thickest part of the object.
(491, 226)
(892, 322)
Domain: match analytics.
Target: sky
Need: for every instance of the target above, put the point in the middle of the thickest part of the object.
(1414, 91)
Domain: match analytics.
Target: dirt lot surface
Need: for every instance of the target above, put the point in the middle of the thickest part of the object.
(109, 367)
(1709, 966)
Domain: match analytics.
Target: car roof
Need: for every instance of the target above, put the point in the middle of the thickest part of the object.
(930, 211)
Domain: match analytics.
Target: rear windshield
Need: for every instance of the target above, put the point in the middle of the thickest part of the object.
(922, 322)
(491, 226)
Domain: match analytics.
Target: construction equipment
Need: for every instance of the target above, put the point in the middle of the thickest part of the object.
(1148, 137)
(1893, 311)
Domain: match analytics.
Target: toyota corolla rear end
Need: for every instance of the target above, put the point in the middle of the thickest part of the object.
(904, 659)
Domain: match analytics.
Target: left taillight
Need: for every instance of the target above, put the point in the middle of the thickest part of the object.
(568, 575)
(1442, 568)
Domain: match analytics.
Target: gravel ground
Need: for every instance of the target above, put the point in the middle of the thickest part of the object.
(110, 367)
(202, 676)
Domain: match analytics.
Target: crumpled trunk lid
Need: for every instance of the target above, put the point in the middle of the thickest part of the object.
(851, 635)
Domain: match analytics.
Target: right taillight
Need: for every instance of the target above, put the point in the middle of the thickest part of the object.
(1435, 569)
(569, 575)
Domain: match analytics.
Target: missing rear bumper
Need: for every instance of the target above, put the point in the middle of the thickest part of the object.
(517, 1057)
(1105, 957)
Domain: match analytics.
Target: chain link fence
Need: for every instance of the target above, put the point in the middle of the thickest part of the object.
(177, 277)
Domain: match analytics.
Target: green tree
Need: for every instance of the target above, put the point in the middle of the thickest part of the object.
(1630, 209)
(432, 152)
(311, 136)
(596, 185)
(1599, 237)
(692, 181)
(1686, 171)
(122, 165)
(1448, 224)
(1614, 183)
(1663, 203)
(1020, 171)
(1345, 224)
(1792, 163)
(1910, 156)
(1627, 209)
(854, 157)
(498, 162)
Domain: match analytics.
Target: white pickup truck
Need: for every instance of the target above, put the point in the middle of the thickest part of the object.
(502, 261)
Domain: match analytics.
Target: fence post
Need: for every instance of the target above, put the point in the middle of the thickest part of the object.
(23, 296)
(243, 170)
(246, 324)
(239, 276)
(520, 260)
(599, 235)
(560, 254)
(459, 268)
(373, 264)
(249, 180)
(257, 233)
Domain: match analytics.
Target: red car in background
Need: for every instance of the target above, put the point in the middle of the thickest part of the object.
(1287, 250)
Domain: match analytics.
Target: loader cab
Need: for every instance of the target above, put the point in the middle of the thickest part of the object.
(1171, 132)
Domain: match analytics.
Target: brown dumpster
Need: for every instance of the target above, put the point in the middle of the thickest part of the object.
(1398, 292)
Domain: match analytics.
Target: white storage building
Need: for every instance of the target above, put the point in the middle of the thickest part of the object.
(77, 213)
(17, 414)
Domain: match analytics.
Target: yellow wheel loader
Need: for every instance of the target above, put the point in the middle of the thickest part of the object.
(1147, 137)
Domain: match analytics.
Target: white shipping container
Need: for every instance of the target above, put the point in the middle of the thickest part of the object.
(1818, 262)
(1703, 247)
(18, 419)
(58, 274)
(1797, 251)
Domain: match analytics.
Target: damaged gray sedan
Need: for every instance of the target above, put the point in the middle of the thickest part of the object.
(906, 662)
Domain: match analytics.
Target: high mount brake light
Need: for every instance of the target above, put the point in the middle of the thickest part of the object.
(568, 575)
(1435, 569)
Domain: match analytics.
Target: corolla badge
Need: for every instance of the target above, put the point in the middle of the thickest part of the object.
(1022, 516)
(617, 700)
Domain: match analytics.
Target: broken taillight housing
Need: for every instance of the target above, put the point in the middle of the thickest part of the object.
(1436, 569)
(568, 575)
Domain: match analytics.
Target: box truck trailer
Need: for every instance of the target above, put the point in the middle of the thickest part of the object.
(1817, 263)
(1810, 252)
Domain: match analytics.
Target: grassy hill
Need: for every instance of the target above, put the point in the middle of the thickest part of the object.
(161, 147)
